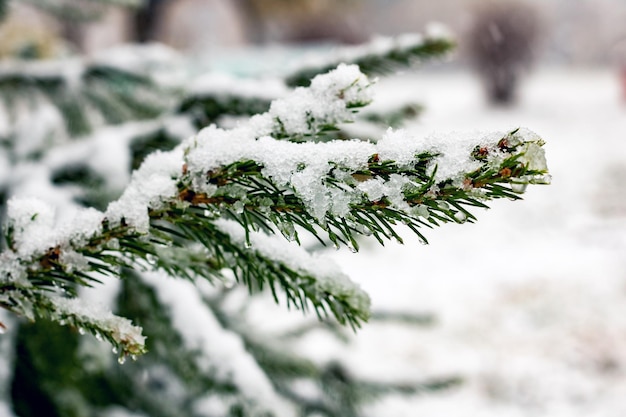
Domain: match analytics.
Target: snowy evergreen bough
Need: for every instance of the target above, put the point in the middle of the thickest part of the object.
(209, 210)
(382, 56)
(251, 178)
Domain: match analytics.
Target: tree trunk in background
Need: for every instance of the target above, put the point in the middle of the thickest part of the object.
(147, 19)
(252, 20)
(74, 31)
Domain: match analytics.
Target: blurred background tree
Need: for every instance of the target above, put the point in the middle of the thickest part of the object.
(502, 45)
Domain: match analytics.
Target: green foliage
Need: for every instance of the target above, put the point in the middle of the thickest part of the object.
(395, 117)
(374, 63)
(60, 373)
(143, 145)
(341, 393)
(89, 182)
(99, 92)
(205, 109)
(139, 301)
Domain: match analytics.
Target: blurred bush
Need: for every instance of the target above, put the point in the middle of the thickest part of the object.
(501, 45)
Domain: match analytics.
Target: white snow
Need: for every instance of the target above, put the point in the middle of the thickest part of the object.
(222, 352)
(33, 223)
(151, 186)
(95, 314)
(223, 84)
(530, 299)
(379, 45)
(329, 279)
(120, 412)
(304, 166)
(160, 62)
(326, 101)
(37, 229)
(211, 405)
(70, 70)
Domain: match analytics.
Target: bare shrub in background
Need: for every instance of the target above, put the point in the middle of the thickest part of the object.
(501, 46)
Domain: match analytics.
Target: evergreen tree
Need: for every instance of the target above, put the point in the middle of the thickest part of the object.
(169, 248)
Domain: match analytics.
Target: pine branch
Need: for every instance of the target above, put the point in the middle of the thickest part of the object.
(216, 95)
(84, 93)
(208, 108)
(347, 394)
(125, 338)
(337, 392)
(394, 117)
(335, 190)
(382, 56)
(349, 188)
(199, 330)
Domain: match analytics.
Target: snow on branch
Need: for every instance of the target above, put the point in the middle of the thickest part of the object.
(215, 95)
(381, 56)
(251, 175)
(126, 338)
(308, 112)
(304, 276)
(85, 93)
(222, 353)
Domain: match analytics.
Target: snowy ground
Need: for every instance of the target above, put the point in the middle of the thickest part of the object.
(531, 300)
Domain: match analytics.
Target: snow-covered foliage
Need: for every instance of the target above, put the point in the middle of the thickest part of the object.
(223, 353)
(217, 169)
(380, 56)
(225, 206)
(83, 94)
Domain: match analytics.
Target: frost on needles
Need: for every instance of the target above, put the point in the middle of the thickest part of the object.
(239, 199)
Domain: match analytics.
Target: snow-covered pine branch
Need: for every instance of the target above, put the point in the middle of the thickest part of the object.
(213, 96)
(256, 176)
(381, 56)
(86, 93)
(332, 388)
(226, 360)
(222, 99)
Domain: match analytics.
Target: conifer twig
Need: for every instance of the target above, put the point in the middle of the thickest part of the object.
(382, 55)
(336, 190)
(85, 93)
